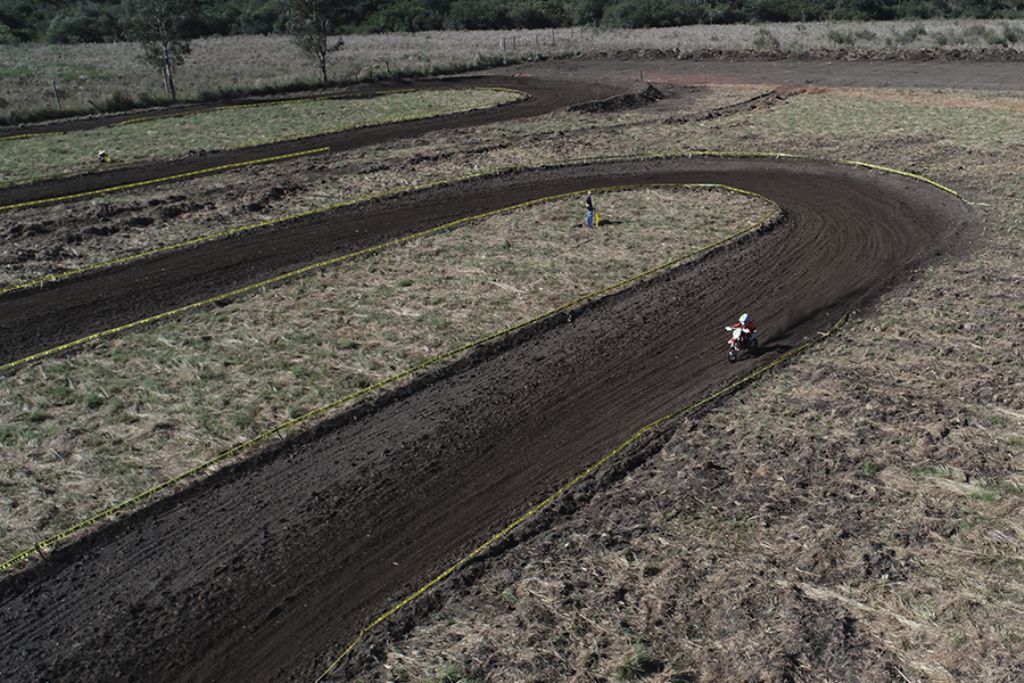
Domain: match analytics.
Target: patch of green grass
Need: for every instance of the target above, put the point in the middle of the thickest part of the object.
(232, 127)
(651, 569)
(985, 495)
(451, 673)
(636, 664)
(997, 421)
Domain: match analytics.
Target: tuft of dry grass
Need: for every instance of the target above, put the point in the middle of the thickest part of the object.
(86, 430)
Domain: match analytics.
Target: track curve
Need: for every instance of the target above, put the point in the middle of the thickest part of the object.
(261, 571)
(543, 96)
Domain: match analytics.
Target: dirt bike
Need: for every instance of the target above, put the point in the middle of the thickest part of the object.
(741, 341)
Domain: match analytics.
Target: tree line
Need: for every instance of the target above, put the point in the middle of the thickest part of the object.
(61, 21)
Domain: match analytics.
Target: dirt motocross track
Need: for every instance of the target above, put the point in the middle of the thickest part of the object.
(267, 569)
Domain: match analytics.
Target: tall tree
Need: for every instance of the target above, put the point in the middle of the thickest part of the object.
(312, 24)
(159, 27)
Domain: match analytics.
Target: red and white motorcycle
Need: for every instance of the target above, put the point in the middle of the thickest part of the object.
(741, 339)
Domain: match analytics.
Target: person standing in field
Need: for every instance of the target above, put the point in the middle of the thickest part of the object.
(591, 219)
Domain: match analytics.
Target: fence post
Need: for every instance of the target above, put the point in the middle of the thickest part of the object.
(56, 94)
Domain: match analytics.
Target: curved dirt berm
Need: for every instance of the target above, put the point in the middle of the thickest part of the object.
(265, 570)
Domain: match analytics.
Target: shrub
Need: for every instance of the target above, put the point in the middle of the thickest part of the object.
(650, 13)
(908, 36)
(7, 36)
(983, 34)
(765, 41)
(636, 664)
(841, 37)
(1010, 34)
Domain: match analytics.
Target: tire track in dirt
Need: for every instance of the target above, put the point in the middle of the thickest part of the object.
(266, 569)
(543, 96)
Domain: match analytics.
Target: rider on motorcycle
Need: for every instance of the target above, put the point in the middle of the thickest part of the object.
(746, 325)
(744, 337)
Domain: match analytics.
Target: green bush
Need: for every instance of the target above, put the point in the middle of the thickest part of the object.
(7, 36)
(85, 22)
(765, 41)
(644, 13)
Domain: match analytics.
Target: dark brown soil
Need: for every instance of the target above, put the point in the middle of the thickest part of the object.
(762, 101)
(794, 72)
(648, 95)
(265, 570)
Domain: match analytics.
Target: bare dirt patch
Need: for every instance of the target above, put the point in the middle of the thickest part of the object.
(648, 95)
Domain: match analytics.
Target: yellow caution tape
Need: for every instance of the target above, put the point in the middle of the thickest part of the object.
(322, 410)
(646, 429)
(25, 136)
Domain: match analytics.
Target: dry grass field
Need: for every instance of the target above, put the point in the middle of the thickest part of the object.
(92, 76)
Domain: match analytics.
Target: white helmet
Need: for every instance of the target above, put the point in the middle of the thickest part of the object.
(744, 318)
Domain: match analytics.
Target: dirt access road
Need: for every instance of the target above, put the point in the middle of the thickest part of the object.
(263, 571)
(791, 72)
